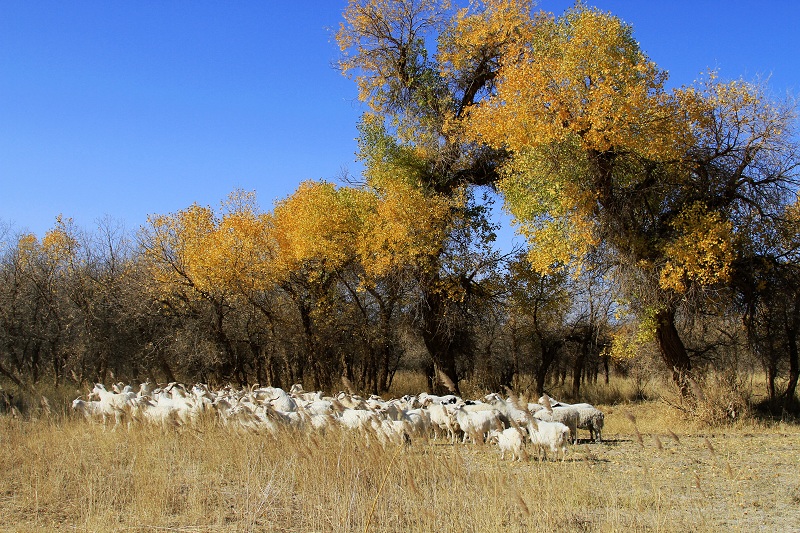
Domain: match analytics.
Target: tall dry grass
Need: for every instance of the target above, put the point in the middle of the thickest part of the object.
(656, 471)
(70, 475)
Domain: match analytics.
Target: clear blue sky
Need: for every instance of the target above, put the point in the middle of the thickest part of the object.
(125, 109)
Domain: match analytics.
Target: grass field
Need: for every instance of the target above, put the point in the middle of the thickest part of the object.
(655, 471)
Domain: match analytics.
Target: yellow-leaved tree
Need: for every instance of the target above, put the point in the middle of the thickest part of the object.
(197, 257)
(606, 163)
(316, 231)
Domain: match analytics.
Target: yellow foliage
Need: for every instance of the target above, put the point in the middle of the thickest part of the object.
(406, 228)
(318, 223)
(59, 244)
(27, 249)
(196, 249)
(483, 37)
(377, 39)
(791, 229)
(628, 341)
(551, 209)
(384, 231)
(580, 78)
(701, 253)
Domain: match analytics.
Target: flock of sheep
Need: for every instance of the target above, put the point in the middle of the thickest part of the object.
(507, 422)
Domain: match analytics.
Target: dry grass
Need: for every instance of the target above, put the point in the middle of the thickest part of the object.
(66, 474)
(657, 471)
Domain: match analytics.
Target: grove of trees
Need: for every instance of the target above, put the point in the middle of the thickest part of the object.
(653, 217)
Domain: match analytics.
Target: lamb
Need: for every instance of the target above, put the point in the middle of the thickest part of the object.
(509, 440)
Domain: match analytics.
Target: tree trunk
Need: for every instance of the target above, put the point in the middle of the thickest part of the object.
(436, 335)
(577, 371)
(772, 372)
(794, 369)
(549, 353)
(165, 368)
(311, 355)
(672, 349)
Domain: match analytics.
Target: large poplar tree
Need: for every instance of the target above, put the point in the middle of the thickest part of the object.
(671, 186)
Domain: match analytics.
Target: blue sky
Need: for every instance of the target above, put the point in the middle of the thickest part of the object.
(124, 109)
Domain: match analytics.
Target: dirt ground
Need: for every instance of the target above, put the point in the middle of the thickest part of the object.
(733, 479)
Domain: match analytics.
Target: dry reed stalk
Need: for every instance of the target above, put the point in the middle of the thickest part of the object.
(590, 455)
(657, 442)
(696, 390)
(630, 417)
(521, 502)
(546, 403)
(348, 385)
(446, 381)
(709, 446)
(515, 403)
(674, 436)
(729, 470)
(411, 483)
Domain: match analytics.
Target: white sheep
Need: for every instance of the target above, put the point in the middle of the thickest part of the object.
(565, 415)
(549, 436)
(590, 418)
(476, 424)
(112, 404)
(509, 440)
(441, 420)
(424, 397)
(90, 409)
(146, 410)
(418, 422)
(391, 431)
(351, 401)
(356, 418)
(317, 407)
